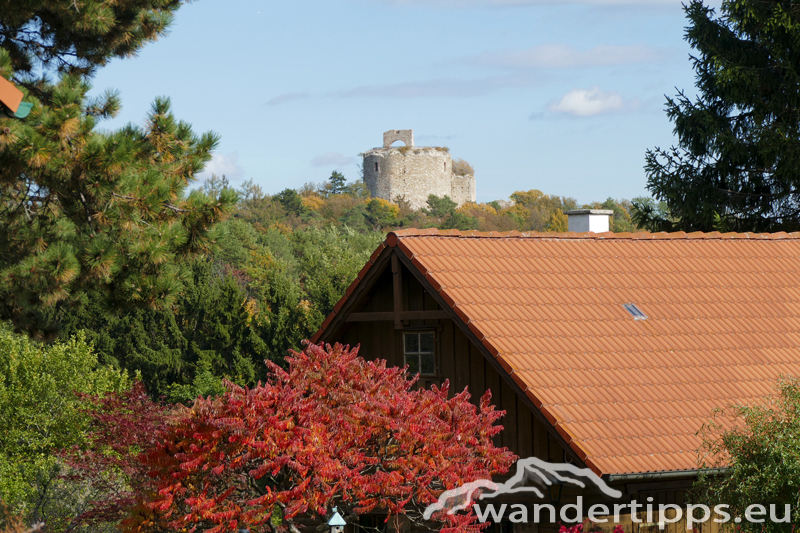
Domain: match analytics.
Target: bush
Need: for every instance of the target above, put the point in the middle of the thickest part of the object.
(462, 168)
(41, 415)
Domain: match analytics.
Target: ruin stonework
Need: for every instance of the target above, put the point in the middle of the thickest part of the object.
(413, 173)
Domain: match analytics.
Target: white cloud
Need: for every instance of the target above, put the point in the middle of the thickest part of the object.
(333, 159)
(589, 102)
(223, 164)
(565, 56)
(287, 97)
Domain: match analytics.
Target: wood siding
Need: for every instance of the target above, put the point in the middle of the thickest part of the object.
(458, 360)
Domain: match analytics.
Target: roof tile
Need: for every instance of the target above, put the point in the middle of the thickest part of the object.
(723, 315)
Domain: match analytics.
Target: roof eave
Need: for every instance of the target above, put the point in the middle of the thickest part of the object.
(663, 476)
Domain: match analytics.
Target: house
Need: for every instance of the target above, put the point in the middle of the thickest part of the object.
(606, 350)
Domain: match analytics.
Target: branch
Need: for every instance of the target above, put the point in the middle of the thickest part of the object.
(88, 215)
(175, 208)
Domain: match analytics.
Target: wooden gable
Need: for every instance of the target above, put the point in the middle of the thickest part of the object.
(374, 319)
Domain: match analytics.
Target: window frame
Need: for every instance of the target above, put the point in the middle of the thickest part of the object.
(419, 354)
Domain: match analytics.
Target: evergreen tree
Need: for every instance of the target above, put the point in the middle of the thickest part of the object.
(291, 202)
(737, 163)
(77, 36)
(83, 210)
(338, 183)
(215, 327)
(445, 210)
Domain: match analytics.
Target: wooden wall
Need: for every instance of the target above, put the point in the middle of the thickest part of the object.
(458, 360)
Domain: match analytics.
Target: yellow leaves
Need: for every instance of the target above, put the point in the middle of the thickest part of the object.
(517, 211)
(282, 228)
(252, 309)
(391, 207)
(472, 208)
(558, 222)
(462, 168)
(313, 202)
(527, 198)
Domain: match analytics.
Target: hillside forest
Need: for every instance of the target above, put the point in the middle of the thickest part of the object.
(279, 265)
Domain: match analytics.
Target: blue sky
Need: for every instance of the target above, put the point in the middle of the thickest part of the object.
(564, 97)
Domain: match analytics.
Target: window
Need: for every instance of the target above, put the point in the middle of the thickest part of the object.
(376, 167)
(635, 312)
(419, 350)
(445, 167)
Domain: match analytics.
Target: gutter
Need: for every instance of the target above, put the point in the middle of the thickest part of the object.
(665, 476)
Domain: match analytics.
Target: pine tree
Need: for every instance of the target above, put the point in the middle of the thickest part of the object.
(338, 182)
(737, 163)
(83, 210)
(78, 36)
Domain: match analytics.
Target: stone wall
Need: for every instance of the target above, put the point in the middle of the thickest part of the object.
(462, 189)
(409, 173)
(414, 173)
(404, 136)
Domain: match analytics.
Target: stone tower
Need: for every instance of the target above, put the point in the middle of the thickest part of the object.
(413, 173)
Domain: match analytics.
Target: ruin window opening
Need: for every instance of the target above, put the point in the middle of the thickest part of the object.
(376, 167)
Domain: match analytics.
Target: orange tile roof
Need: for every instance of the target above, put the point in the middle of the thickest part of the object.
(10, 96)
(628, 395)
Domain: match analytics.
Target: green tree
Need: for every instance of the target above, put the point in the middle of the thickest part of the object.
(761, 457)
(291, 202)
(444, 209)
(79, 36)
(357, 189)
(338, 183)
(737, 160)
(329, 261)
(440, 207)
(559, 222)
(381, 213)
(84, 210)
(534, 210)
(215, 185)
(40, 414)
(250, 191)
(216, 325)
(645, 209)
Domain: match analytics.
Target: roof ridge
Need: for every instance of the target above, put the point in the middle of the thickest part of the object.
(394, 236)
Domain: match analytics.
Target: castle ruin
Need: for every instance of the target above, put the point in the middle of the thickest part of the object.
(412, 173)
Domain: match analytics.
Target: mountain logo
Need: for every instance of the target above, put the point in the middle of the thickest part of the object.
(532, 476)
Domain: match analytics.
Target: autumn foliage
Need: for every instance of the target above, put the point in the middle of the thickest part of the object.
(333, 429)
(122, 427)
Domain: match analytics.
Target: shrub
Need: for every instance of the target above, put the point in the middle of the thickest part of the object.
(462, 168)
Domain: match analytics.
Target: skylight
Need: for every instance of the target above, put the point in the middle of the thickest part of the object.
(635, 312)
